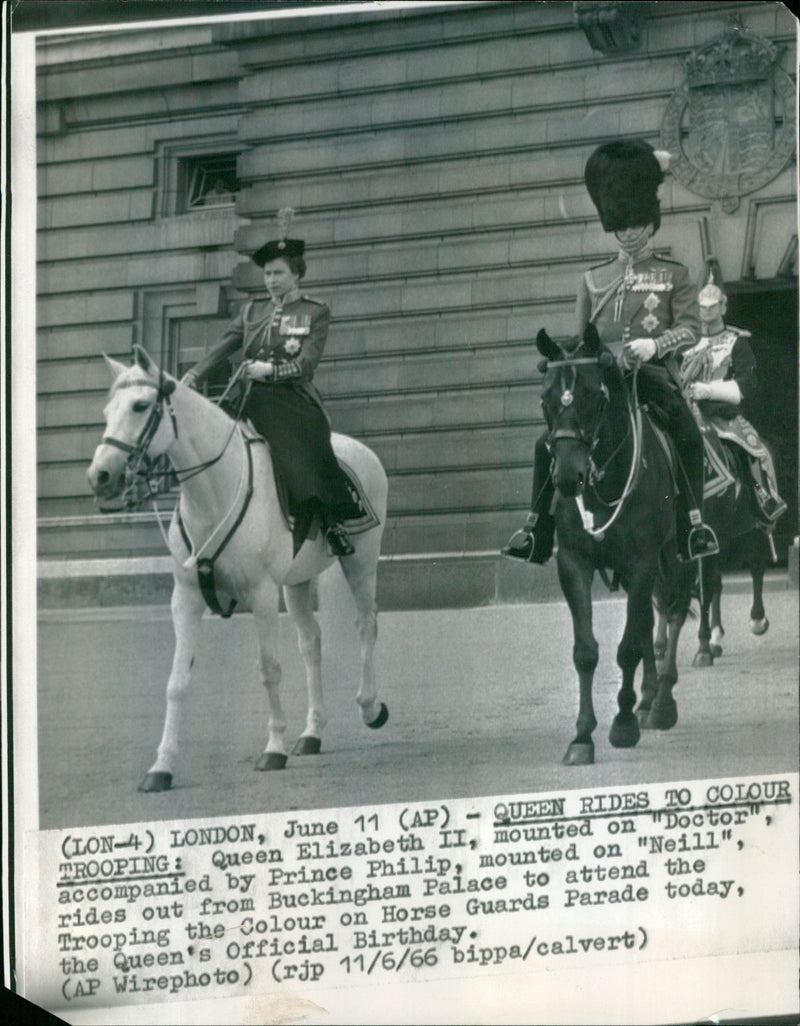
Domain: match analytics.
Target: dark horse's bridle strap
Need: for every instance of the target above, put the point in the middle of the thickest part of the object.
(205, 565)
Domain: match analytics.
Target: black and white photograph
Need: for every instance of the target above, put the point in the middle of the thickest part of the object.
(404, 446)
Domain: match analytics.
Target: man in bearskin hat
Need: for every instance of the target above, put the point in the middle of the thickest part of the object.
(645, 310)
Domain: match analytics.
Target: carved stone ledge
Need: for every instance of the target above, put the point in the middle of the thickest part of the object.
(611, 26)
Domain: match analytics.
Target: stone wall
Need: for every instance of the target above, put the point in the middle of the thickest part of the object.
(435, 161)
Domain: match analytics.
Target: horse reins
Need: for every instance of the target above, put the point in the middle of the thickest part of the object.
(591, 440)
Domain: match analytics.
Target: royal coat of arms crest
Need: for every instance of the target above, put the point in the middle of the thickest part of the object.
(730, 127)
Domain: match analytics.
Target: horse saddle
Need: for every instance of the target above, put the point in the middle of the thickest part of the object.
(733, 451)
(305, 524)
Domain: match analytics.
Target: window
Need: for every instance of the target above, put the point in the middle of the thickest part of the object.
(194, 176)
(208, 181)
(190, 338)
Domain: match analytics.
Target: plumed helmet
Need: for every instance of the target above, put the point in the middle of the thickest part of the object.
(622, 178)
(711, 292)
(282, 246)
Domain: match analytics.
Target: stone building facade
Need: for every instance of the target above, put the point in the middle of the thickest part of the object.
(434, 158)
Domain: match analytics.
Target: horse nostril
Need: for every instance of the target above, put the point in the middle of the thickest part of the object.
(103, 477)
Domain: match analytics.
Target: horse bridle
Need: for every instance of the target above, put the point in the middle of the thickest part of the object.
(139, 464)
(137, 452)
(591, 442)
(587, 438)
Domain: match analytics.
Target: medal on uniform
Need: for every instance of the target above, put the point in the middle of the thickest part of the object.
(650, 322)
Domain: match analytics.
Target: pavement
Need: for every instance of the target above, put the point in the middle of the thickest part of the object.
(482, 701)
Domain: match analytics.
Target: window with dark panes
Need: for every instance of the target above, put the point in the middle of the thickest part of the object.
(209, 181)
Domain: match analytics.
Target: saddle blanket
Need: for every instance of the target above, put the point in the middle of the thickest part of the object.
(741, 432)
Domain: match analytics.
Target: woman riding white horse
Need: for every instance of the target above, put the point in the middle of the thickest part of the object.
(229, 525)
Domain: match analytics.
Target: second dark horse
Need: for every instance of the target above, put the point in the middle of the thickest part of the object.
(615, 509)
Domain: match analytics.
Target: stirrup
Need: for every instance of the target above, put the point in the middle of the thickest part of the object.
(534, 542)
(701, 542)
(520, 544)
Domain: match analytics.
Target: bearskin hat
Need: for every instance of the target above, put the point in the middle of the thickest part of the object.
(622, 178)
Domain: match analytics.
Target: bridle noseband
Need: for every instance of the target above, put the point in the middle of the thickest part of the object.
(139, 464)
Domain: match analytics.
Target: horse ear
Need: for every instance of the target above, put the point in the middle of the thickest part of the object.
(114, 366)
(547, 346)
(591, 340)
(144, 361)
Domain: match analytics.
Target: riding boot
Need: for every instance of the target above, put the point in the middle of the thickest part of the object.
(695, 538)
(769, 503)
(533, 543)
(338, 540)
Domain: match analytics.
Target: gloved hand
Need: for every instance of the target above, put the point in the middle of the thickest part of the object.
(638, 350)
(720, 391)
(259, 370)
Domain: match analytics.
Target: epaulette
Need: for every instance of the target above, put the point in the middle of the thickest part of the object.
(310, 299)
(741, 332)
(666, 260)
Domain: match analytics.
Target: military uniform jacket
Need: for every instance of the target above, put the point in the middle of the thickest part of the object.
(653, 298)
(292, 336)
(722, 357)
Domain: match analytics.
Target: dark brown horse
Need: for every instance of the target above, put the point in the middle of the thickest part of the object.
(615, 509)
(733, 513)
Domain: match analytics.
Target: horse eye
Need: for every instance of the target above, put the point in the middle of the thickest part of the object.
(140, 406)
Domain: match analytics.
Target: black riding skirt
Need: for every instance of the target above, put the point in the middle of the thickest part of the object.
(299, 438)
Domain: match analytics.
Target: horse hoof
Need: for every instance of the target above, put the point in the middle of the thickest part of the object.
(579, 754)
(380, 719)
(759, 626)
(158, 781)
(704, 658)
(716, 651)
(307, 746)
(663, 716)
(624, 734)
(271, 761)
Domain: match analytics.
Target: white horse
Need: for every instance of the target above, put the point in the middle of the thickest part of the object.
(222, 475)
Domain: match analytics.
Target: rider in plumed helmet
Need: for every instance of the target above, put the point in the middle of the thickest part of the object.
(645, 310)
(720, 379)
(280, 339)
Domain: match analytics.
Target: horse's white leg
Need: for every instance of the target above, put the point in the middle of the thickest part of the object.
(300, 604)
(265, 613)
(187, 613)
(363, 581)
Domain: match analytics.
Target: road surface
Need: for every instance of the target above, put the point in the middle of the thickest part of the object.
(482, 702)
